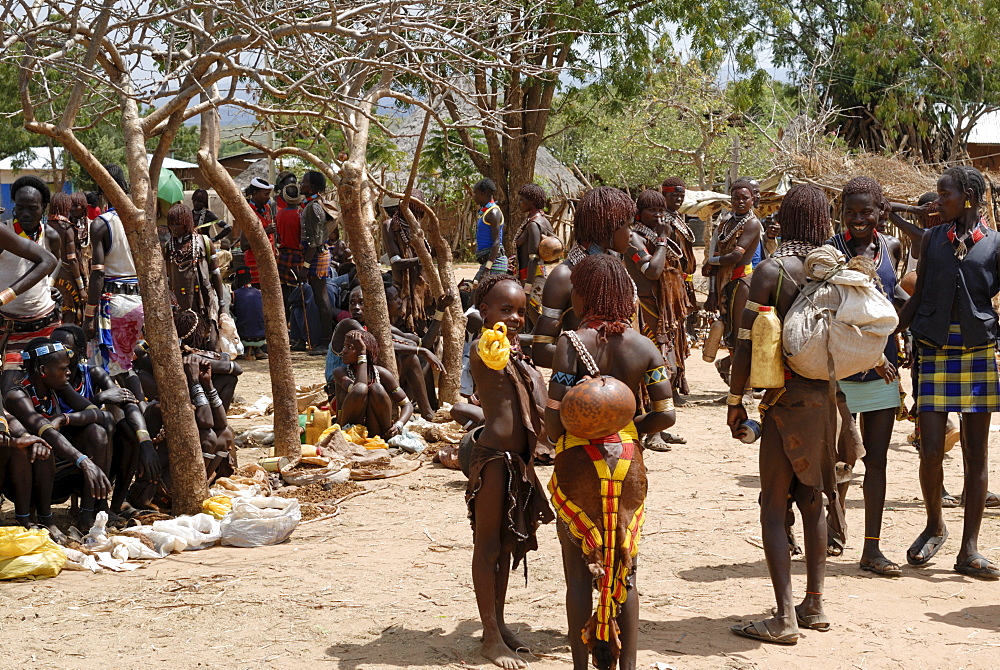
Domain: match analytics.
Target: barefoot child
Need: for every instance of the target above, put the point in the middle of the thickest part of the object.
(599, 486)
(506, 503)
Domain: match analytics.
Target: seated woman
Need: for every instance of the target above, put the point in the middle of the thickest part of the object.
(24, 460)
(408, 348)
(225, 372)
(80, 441)
(132, 446)
(366, 392)
(152, 488)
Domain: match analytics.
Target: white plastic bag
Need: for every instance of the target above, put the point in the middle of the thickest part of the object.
(135, 548)
(256, 522)
(409, 442)
(77, 560)
(199, 531)
(165, 543)
(840, 318)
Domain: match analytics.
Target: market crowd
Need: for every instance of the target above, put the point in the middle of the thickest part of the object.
(609, 311)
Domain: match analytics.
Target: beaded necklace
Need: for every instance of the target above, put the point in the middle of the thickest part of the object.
(47, 407)
(352, 376)
(183, 254)
(34, 237)
(732, 226)
(681, 225)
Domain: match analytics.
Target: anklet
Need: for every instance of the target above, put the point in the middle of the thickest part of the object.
(873, 538)
(813, 593)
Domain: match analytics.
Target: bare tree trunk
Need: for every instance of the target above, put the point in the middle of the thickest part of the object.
(286, 413)
(453, 327)
(357, 224)
(189, 486)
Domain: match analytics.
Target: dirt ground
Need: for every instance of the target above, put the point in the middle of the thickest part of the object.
(387, 583)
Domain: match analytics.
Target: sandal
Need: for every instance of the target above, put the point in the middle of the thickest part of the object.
(992, 500)
(757, 630)
(882, 567)
(670, 438)
(655, 443)
(932, 543)
(949, 501)
(834, 546)
(979, 567)
(817, 622)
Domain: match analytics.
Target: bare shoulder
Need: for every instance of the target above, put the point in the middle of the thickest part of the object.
(388, 379)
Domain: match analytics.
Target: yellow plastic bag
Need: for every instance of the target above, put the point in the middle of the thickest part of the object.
(29, 553)
(358, 434)
(218, 506)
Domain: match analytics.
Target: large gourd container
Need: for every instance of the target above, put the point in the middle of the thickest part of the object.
(767, 370)
(713, 341)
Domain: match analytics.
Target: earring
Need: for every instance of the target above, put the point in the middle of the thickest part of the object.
(968, 205)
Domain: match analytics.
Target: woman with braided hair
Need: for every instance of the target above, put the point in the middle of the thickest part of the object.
(954, 324)
(791, 433)
(532, 200)
(366, 392)
(730, 264)
(655, 263)
(599, 486)
(873, 395)
(193, 276)
(68, 278)
(600, 226)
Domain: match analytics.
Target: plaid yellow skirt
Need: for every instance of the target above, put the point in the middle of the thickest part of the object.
(955, 379)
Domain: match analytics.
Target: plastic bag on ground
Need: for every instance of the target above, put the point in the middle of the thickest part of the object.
(217, 506)
(29, 553)
(256, 522)
(96, 538)
(134, 548)
(260, 434)
(358, 434)
(199, 531)
(408, 442)
(77, 560)
(165, 543)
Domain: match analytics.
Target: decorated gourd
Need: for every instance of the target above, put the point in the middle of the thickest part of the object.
(550, 248)
(597, 407)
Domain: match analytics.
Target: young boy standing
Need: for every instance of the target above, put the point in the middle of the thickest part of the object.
(505, 499)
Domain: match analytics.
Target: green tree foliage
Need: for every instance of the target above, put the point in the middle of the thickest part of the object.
(910, 75)
(680, 122)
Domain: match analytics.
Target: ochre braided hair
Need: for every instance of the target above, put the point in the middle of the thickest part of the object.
(673, 181)
(181, 214)
(600, 213)
(487, 284)
(534, 194)
(608, 294)
(649, 199)
(864, 186)
(805, 215)
(78, 199)
(60, 205)
(371, 346)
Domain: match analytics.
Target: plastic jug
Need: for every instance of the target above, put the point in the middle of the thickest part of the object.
(767, 370)
(317, 421)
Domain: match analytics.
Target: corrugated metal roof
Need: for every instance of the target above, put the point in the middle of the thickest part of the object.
(39, 158)
(986, 130)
